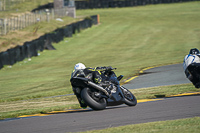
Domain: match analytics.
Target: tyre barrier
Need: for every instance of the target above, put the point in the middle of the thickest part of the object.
(30, 49)
(92, 4)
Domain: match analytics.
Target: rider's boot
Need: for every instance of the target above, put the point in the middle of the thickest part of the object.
(197, 85)
(82, 104)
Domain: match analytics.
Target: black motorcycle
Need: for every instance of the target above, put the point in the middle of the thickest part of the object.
(98, 97)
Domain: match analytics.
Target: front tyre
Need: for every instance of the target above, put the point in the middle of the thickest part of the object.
(88, 96)
(130, 99)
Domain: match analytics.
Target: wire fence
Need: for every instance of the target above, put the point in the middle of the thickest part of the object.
(19, 22)
(31, 48)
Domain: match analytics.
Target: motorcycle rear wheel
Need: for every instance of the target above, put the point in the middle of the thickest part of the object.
(88, 96)
(130, 99)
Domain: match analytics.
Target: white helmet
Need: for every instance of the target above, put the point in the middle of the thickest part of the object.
(79, 66)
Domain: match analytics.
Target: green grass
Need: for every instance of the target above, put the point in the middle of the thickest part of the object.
(163, 91)
(37, 106)
(189, 125)
(21, 7)
(127, 38)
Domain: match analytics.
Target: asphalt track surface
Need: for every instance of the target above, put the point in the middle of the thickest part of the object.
(83, 120)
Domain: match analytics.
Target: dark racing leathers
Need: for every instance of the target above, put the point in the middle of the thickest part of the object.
(191, 66)
(93, 74)
(194, 69)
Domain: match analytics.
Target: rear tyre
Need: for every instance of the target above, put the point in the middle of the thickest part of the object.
(130, 99)
(88, 96)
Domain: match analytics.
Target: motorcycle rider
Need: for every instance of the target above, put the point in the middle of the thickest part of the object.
(91, 73)
(191, 66)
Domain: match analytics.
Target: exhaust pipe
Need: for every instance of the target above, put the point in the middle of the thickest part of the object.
(98, 88)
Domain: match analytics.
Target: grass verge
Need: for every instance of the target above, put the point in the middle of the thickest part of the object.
(163, 91)
(188, 125)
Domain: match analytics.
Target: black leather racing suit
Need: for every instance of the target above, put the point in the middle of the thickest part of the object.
(92, 73)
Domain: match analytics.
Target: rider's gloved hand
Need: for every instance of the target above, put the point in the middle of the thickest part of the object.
(109, 68)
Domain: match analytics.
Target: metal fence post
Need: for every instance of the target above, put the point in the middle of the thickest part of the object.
(47, 12)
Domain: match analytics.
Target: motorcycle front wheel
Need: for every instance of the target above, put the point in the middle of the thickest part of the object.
(89, 97)
(130, 99)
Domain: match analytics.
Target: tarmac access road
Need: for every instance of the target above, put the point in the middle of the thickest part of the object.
(83, 120)
(159, 76)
